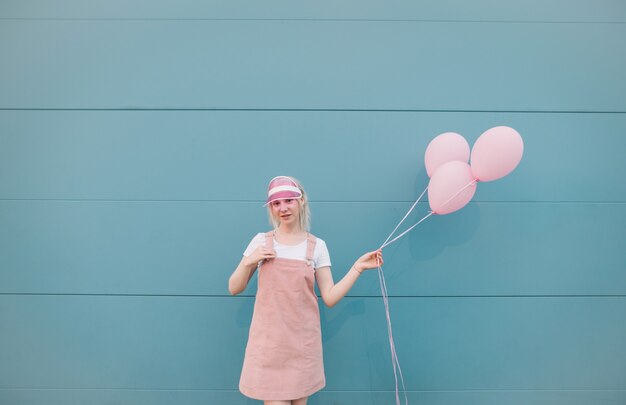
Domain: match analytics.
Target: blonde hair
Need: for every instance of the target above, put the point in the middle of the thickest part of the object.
(305, 212)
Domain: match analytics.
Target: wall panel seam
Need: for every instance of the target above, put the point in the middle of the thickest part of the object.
(357, 110)
(240, 296)
(356, 20)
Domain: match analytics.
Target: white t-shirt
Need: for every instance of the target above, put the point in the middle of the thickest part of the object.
(321, 258)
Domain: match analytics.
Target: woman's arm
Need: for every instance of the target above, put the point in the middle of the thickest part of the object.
(333, 293)
(243, 273)
(241, 276)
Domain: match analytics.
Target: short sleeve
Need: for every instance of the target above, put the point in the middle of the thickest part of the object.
(258, 240)
(321, 257)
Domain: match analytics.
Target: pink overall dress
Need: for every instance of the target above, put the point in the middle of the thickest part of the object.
(283, 358)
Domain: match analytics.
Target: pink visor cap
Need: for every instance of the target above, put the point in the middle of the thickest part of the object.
(282, 188)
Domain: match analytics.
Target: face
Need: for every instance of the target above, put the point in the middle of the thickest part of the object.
(286, 211)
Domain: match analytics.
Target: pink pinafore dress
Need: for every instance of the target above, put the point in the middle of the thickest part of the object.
(283, 358)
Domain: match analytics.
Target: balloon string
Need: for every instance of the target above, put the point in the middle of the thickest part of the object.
(394, 356)
(429, 214)
(383, 287)
(405, 232)
(389, 334)
(393, 347)
(405, 216)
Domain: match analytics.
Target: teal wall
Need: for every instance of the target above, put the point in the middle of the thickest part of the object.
(137, 138)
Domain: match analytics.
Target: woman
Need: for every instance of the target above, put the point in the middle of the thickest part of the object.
(283, 363)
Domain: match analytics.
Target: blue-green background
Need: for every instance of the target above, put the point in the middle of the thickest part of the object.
(137, 139)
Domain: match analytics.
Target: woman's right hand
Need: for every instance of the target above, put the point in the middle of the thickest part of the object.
(260, 253)
(370, 260)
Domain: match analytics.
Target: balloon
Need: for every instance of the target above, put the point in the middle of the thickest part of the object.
(496, 153)
(445, 148)
(451, 187)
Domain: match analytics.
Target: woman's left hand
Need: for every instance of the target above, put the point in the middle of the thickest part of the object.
(370, 260)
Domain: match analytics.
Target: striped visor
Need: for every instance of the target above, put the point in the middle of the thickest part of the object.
(282, 188)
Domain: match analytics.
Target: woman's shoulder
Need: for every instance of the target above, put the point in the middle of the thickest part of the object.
(319, 241)
(257, 240)
(260, 237)
(322, 256)
(317, 238)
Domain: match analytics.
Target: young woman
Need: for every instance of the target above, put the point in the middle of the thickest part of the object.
(283, 362)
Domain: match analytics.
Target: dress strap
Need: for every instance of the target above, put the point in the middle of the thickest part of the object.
(269, 240)
(310, 247)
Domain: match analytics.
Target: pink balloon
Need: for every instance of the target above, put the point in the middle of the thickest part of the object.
(451, 187)
(496, 153)
(445, 148)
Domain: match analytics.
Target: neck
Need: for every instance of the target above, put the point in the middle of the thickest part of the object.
(289, 230)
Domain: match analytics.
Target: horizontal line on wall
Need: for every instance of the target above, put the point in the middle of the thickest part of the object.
(347, 296)
(139, 109)
(325, 390)
(310, 201)
(312, 20)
